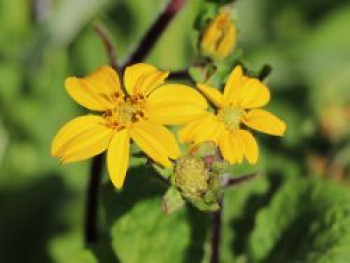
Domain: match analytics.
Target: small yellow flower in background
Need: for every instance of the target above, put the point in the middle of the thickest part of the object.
(219, 38)
(138, 115)
(237, 105)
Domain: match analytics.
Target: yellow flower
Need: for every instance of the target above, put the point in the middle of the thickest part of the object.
(237, 105)
(137, 115)
(219, 38)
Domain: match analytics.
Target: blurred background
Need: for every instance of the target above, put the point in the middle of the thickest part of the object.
(297, 210)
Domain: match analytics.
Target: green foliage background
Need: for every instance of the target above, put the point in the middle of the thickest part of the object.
(298, 209)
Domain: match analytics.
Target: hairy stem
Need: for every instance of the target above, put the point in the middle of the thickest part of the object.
(229, 181)
(91, 216)
(181, 75)
(216, 234)
(107, 41)
(156, 30)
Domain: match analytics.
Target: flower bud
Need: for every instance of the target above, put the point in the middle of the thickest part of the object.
(197, 177)
(191, 176)
(211, 156)
(219, 38)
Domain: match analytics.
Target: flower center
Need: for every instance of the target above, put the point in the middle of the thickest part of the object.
(231, 117)
(125, 113)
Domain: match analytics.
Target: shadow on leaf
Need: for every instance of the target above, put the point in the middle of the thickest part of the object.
(28, 220)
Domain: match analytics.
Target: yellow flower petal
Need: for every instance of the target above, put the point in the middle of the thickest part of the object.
(235, 138)
(251, 150)
(143, 78)
(209, 39)
(177, 94)
(204, 129)
(175, 104)
(233, 85)
(156, 141)
(163, 135)
(185, 134)
(228, 42)
(228, 147)
(253, 94)
(152, 82)
(209, 131)
(118, 157)
(96, 91)
(264, 121)
(175, 115)
(212, 94)
(81, 138)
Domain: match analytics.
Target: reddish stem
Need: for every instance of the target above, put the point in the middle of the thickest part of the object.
(238, 180)
(156, 30)
(181, 75)
(91, 216)
(108, 43)
(216, 234)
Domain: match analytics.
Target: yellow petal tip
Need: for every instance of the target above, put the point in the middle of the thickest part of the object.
(118, 185)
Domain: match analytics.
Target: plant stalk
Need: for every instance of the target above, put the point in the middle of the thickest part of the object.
(91, 216)
(216, 234)
(108, 43)
(151, 37)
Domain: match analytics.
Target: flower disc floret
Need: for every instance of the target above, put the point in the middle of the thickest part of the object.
(124, 114)
(231, 117)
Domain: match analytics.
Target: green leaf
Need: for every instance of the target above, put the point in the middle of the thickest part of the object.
(82, 256)
(307, 221)
(70, 17)
(139, 230)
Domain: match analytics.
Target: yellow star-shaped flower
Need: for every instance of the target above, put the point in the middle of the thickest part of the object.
(138, 115)
(238, 105)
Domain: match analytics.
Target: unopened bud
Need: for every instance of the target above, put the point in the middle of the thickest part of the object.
(211, 156)
(191, 176)
(219, 38)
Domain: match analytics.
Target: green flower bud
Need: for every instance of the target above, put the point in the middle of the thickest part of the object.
(197, 176)
(211, 156)
(191, 176)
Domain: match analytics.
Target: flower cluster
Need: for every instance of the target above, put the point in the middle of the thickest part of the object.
(148, 104)
(138, 107)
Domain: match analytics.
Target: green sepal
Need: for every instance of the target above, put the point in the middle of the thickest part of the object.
(224, 68)
(163, 172)
(198, 74)
(204, 206)
(208, 12)
(172, 201)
